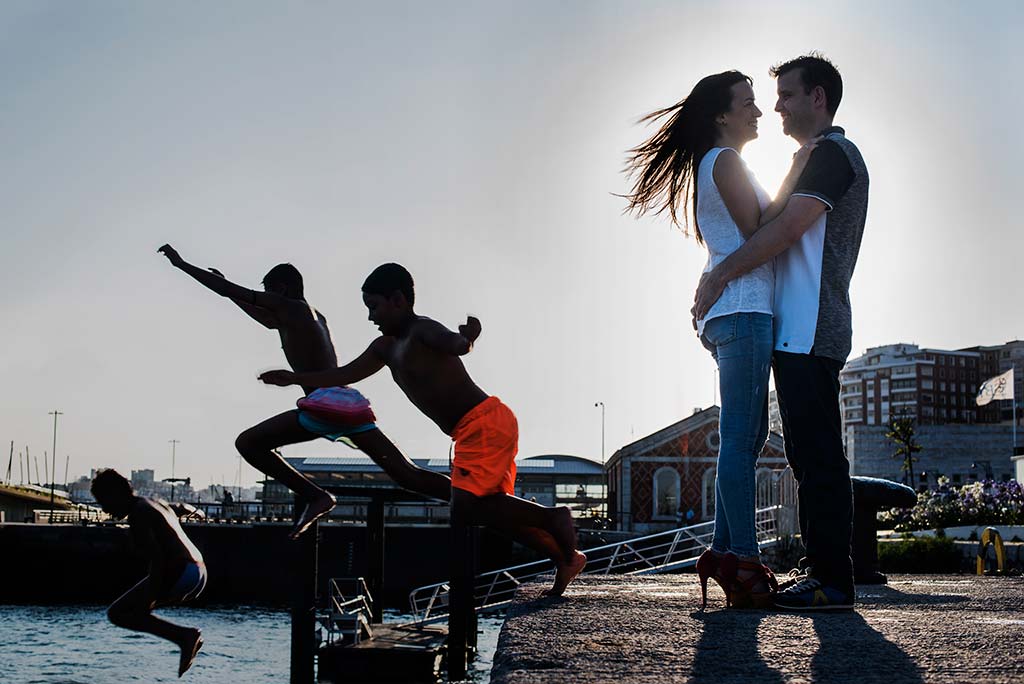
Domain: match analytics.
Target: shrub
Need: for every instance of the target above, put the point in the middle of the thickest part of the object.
(921, 555)
(978, 503)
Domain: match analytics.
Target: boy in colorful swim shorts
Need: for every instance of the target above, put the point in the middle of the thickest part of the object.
(306, 341)
(423, 356)
(176, 570)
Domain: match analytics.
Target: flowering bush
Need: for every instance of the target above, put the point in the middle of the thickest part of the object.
(979, 503)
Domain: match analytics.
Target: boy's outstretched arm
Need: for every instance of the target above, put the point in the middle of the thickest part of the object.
(364, 365)
(221, 285)
(436, 336)
(265, 317)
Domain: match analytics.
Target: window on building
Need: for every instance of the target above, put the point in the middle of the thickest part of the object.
(707, 497)
(666, 493)
(926, 370)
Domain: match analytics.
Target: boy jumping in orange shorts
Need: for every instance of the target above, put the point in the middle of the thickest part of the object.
(423, 356)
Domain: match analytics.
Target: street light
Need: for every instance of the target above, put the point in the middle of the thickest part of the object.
(174, 443)
(604, 476)
(53, 470)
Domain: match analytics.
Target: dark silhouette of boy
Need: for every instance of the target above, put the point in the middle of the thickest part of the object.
(306, 341)
(176, 570)
(423, 356)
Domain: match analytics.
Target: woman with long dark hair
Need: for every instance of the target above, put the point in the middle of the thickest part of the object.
(693, 161)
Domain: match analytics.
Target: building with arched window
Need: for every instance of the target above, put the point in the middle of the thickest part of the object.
(667, 479)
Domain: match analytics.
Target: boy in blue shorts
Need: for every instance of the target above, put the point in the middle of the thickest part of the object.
(176, 575)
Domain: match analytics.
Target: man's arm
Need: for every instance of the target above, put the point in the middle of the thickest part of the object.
(825, 179)
(365, 365)
(774, 238)
(436, 336)
(223, 286)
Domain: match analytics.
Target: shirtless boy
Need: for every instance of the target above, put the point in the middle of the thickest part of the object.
(423, 356)
(307, 345)
(176, 570)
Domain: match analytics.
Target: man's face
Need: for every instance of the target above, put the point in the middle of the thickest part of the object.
(385, 312)
(795, 105)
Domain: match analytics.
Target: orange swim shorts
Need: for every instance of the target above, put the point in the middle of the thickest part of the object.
(486, 443)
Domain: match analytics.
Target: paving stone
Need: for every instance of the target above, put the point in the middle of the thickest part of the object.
(918, 628)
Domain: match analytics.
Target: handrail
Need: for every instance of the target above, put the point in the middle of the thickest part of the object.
(650, 554)
(349, 617)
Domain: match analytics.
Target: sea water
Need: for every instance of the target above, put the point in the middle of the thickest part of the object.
(244, 644)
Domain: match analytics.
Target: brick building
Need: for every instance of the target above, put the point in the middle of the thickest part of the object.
(667, 479)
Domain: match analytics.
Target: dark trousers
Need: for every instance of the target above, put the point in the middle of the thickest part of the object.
(808, 393)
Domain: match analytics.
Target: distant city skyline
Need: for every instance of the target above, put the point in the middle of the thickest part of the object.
(482, 147)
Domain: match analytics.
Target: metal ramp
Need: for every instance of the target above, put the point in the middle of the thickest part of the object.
(654, 553)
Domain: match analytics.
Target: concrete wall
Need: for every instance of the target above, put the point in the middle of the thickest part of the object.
(949, 450)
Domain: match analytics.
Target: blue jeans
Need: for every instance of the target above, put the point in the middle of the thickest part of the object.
(742, 346)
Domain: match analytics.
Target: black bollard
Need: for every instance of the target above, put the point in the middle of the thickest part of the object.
(871, 495)
(304, 577)
(461, 609)
(375, 556)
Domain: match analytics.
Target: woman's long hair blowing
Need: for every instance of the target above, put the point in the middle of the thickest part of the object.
(665, 164)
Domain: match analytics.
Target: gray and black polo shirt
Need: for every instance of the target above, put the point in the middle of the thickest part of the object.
(812, 278)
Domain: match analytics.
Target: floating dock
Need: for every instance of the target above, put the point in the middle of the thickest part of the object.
(394, 654)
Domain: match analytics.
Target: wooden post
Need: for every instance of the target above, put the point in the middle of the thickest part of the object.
(461, 609)
(375, 556)
(304, 581)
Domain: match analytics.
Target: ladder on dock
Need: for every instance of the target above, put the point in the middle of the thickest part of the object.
(654, 553)
(350, 611)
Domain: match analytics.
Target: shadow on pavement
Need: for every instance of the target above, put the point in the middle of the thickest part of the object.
(728, 649)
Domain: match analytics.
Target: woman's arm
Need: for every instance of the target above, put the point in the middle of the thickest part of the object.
(737, 192)
(789, 184)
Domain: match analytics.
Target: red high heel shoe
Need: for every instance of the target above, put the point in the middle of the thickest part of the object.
(743, 594)
(719, 567)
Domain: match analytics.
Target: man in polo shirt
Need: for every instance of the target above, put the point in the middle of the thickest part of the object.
(814, 242)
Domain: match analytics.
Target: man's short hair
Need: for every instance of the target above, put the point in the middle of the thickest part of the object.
(110, 485)
(387, 279)
(815, 70)
(287, 275)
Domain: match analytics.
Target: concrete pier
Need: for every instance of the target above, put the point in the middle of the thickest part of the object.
(918, 628)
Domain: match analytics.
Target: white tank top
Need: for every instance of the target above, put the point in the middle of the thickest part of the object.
(750, 293)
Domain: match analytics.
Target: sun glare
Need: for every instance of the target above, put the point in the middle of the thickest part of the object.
(770, 156)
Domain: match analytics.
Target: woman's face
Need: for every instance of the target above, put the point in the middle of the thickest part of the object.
(739, 124)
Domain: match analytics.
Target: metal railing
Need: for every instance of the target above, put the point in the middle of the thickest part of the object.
(654, 553)
(349, 611)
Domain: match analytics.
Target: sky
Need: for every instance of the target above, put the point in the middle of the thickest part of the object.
(481, 145)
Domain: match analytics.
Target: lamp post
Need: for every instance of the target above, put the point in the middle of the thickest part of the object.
(604, 476)
(174, 443)
(53, 470)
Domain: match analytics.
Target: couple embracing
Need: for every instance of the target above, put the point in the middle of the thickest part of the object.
(774, 296)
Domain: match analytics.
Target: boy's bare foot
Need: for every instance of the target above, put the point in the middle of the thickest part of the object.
(315, 510)
(189, 648)
(566, 573)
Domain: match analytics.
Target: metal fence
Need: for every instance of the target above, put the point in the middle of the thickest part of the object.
(654, 553)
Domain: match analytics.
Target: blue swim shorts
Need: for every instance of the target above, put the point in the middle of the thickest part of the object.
(331, 431)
